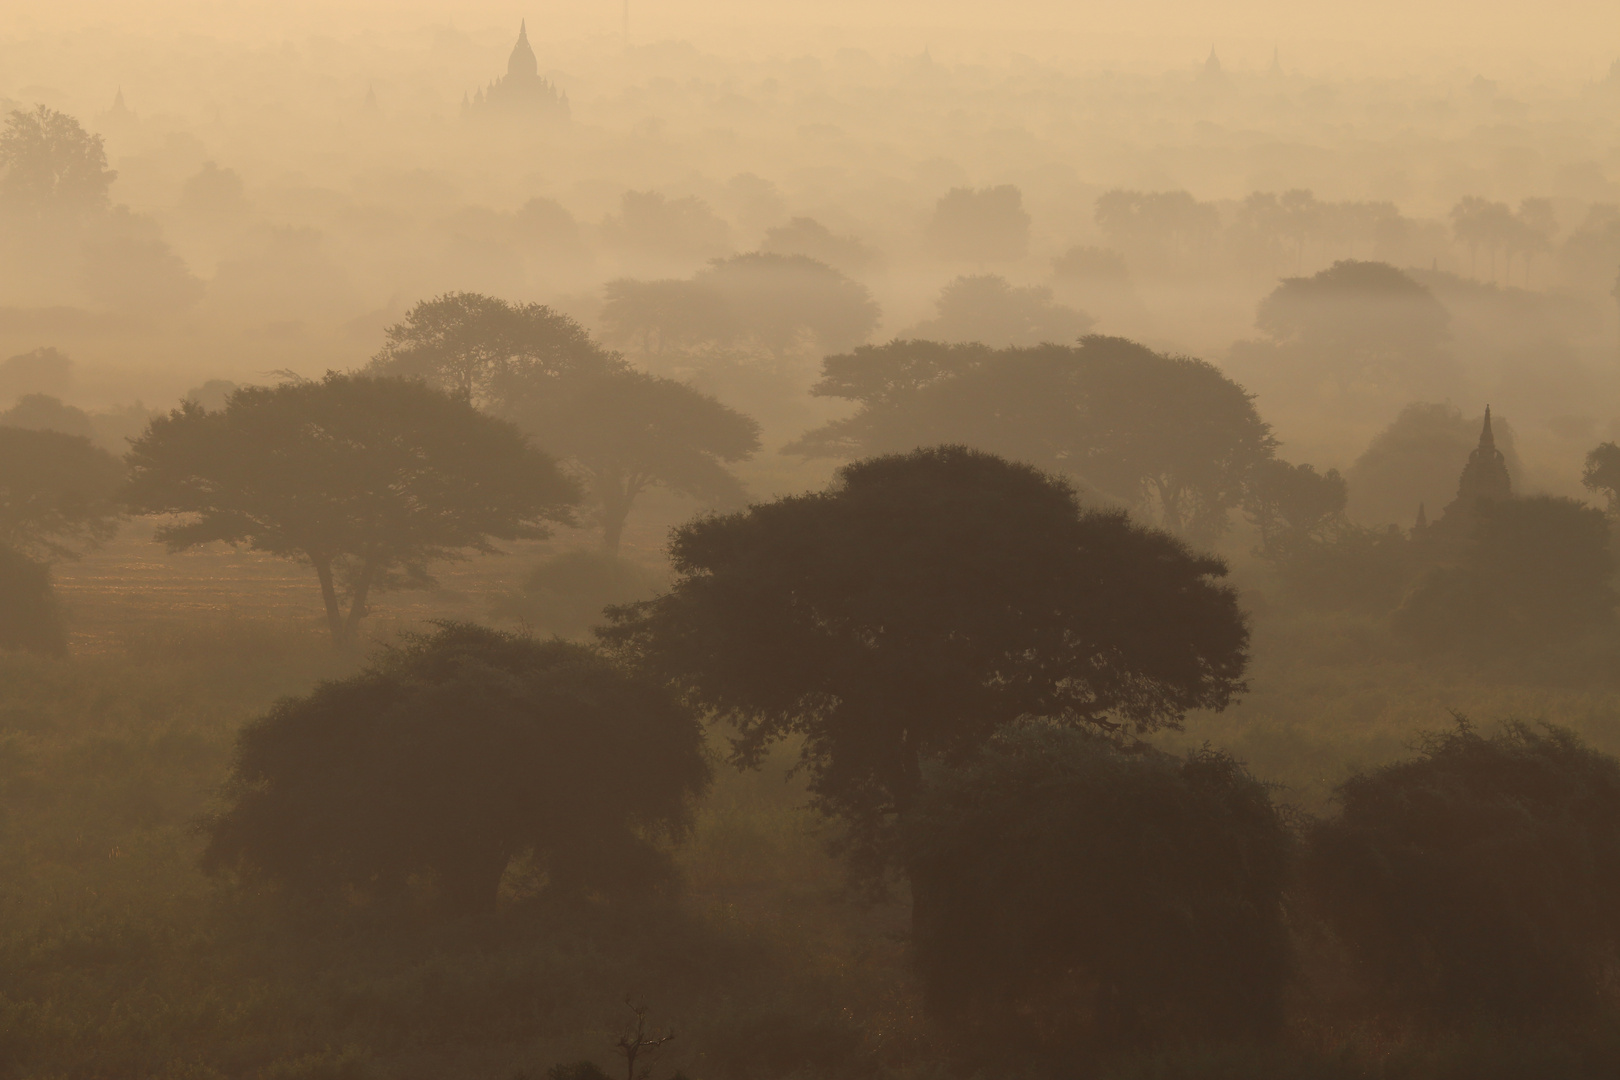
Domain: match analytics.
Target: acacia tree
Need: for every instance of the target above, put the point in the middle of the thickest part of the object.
(469, 344)
(58, 493)
(626, 431)
(368, 479)
(920, 604)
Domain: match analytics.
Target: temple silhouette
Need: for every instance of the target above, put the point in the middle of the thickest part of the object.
(521, 92)
(1484, 478)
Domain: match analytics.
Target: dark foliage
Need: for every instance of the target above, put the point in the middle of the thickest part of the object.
(779, 301)
(1415, 462)
(1170, 435)
(919, 604)
(29, 616)
(981, 224)
(58, 493)
(1480, 879)
(1070, 891)
(452, 755)
(369, 479)
(1602, 473)
(1535, 573)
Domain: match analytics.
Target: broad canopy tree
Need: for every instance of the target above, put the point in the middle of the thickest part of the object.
(1171, 436)
(450, 756)
(617, 430)
(470, 344)
(50, 167)
(920, 604)
(368, 479)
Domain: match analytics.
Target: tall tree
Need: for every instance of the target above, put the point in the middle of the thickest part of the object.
(662, 317)
(920, 604)
(989, 308)
(625, 431)
(981, 224)
(1169, 435)
(468, 344)
(368, 479)
(50, 166)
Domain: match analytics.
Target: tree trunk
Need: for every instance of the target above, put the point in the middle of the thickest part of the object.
(357, 604)
(334, 615)
(615, 496)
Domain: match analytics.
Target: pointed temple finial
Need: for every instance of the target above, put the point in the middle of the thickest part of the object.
(1422, 519)
(1486, 439)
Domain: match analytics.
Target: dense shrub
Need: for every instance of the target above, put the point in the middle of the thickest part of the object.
(1481, 878)
(29, 615)
(454, 754)
(1069, 889)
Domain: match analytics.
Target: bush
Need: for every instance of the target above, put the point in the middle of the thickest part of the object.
(566, 593)
(1480, 879)
(29, 615)
(451, 756)
(1071, 890)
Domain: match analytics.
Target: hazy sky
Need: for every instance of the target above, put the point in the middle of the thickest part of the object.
(1549, 35)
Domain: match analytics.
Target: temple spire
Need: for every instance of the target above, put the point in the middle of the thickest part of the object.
(1487, 441)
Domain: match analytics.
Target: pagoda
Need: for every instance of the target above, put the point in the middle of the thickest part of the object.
(522, 91)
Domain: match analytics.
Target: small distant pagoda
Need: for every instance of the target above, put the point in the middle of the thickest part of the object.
(521, 92)
(1484, 479)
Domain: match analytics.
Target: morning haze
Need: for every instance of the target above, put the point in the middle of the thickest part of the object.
(754, 541)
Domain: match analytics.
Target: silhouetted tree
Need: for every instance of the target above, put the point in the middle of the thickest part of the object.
(452, 755)
(1355, 332)
(42, 412)
(665, 316)
(1481, 879)
(1163, 227)
(1602, 473)
(922, 602)
(981, 224)
(467, 344)
(681, 228)
(1170, 435)
(625, 431)
(1536, 572)
(58, 493)
(369, 479)
(50, 167)
(779, 300)
(45, 370)
(988, 308)
(806, 236)
(1293, 506)
(1071, 892)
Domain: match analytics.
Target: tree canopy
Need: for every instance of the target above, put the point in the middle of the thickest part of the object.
(469, 344)
(59, 493)
(369, 479)
(1168, 435)
(50, 166)
(981, 224)
(1071, 890)
(988, 308)
(624, 431)
(450, 756)
(776, 300)
(919, 604)
(1480, 879)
